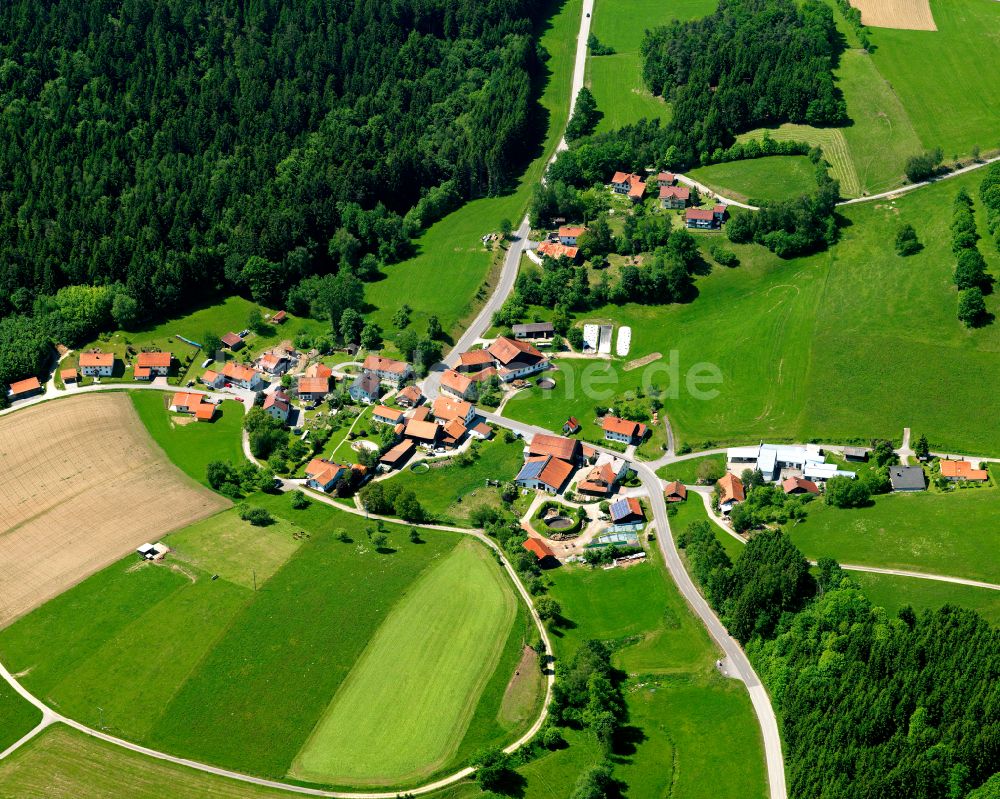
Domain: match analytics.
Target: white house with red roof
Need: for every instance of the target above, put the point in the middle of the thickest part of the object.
(629, 184)
(278, 405)
(623, 430)
(152, 364)
(515, 359)
(674, 196)
(387, 369)
(242, 376)
(323, 475)
(97, 364)
(274, 363)
(458, 384)
(568, 234)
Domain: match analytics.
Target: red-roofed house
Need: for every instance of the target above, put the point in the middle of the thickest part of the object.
(538, 548)
(666, 179)
(516, 359)
(453, 432)
(962, 470)
(324, 475)
(675, 491)
(719, 213)
(457, 384)
(319, 370)
(623, 430)
(674, 196)
(232, 341)
(447, 408)
(474, 360)
(242, 376)
(279, 318)
(25, 388)
(193, 403)
(555, 250)
(278, 405)
(388, 369)
(273, 363)
(383, 414)
(624, 183)
(566, 449)
(799, 485)
(568, 234)
(397, 456)
(700, 218)
(544, 473)
(730, 492)
(213, 379)
(68, 375)
(422, 432)
(313, 389)
(152, 364)
(97, 364)
(570, 426)
(409, 397)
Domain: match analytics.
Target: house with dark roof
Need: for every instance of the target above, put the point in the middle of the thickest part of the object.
(856, 454)
(533, 330)
(544, 473)
(626, 511)
(907, 478)
(365, 388)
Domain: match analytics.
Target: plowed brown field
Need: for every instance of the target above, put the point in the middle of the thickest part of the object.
(81, 484)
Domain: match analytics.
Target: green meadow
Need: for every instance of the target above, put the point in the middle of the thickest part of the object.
(955, 534)
(687, 470)
(892, 592)
(851, 343)
(17, 716)
(192, 445)
(232, 652)
(452, 273)
(945, 79)
(424, 669)
(776, 177)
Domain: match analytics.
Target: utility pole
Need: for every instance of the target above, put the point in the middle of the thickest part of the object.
(254, 579)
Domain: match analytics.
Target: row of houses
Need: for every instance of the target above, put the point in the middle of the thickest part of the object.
(671, 196)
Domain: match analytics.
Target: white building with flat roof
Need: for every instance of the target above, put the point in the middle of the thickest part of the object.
(774, 459)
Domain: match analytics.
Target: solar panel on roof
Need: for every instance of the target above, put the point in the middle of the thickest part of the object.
(531, 470)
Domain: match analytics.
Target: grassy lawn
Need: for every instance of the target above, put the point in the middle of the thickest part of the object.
(425, 668)
(802, 346)
(62, 763)
(687, 471)
(776, 177)
(892, 592)
(192, 446)
(164, 655)
(17, 716)
(450, 492)
(954, 534)
(616, 80)
(941, 76)
(693, 510)
(450, 275)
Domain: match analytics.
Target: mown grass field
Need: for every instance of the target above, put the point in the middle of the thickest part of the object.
(697, 733)
(777, 177)
(17, 716)
(192, 446)
(424, 670)
(955, 534)
(616, 80)
(183, 663)
(687, 470)
(851, 343)
(62, 763)
(943, 78)
(451, 265)
(891, 593)
(449, 492)
(831, 140)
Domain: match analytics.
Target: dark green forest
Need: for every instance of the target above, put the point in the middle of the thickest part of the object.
(750, 63)
(870, 705)
(159, 146)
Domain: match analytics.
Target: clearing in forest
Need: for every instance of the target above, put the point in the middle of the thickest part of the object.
(82, 483)
(911, 15)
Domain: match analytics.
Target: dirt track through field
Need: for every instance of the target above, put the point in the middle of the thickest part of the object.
(82, 484)
(910, 15)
